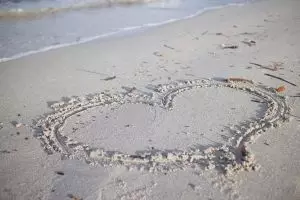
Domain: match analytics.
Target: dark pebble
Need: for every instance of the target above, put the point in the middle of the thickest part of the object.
(18, 133)
(26, 138)
(60, 173)
(266, 143)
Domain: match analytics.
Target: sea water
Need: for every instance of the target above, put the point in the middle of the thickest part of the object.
(32, 26)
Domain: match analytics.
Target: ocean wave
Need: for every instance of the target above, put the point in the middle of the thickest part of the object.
(119, 31)
(37, 12)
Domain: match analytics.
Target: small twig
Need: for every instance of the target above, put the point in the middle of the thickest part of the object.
(249, 42)
(257, 101)
(279, 78)
(169, 47)
(229, 46)
(205, 32)
(265, 67)
(247, 33)
(109, 78)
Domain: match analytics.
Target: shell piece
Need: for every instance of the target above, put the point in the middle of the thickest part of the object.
(280, 89)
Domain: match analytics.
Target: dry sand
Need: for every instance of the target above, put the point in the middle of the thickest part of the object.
(149, 115)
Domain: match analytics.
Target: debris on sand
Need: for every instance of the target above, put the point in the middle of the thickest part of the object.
(16, 124)
(193, 186)
(71, 196)
(169, 47)
(60, 173)
(239, 80)
(274, 67)
(129, 89)
(109, 78)
(229, 46)
(249, 42)
(280, 89)
(204, 33)
(282, 79)
(156, 53)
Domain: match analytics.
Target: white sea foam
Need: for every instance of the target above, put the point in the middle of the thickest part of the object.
(119, 31)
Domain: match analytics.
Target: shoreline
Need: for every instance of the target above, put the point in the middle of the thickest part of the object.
(122, 32)
(147, 67)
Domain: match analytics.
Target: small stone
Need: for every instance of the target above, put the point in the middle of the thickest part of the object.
(266, 143)
(26, 138)
(19, 115)
(18, 133)
(60, 173)
(193, 186)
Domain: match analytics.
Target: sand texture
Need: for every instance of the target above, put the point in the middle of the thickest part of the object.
(203, 108)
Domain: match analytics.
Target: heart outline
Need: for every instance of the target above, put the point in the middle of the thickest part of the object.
(228, 158)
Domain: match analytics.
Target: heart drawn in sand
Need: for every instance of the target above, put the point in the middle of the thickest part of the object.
(149, 131)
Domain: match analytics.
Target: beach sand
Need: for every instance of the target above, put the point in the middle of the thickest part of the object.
(150, 115)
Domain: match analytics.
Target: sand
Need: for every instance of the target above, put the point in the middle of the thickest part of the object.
(168, 125)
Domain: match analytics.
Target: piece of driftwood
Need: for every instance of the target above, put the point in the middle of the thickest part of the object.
(239, 80)
(169, 47)
(282, 79)
(229, 46)
(109, 78)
